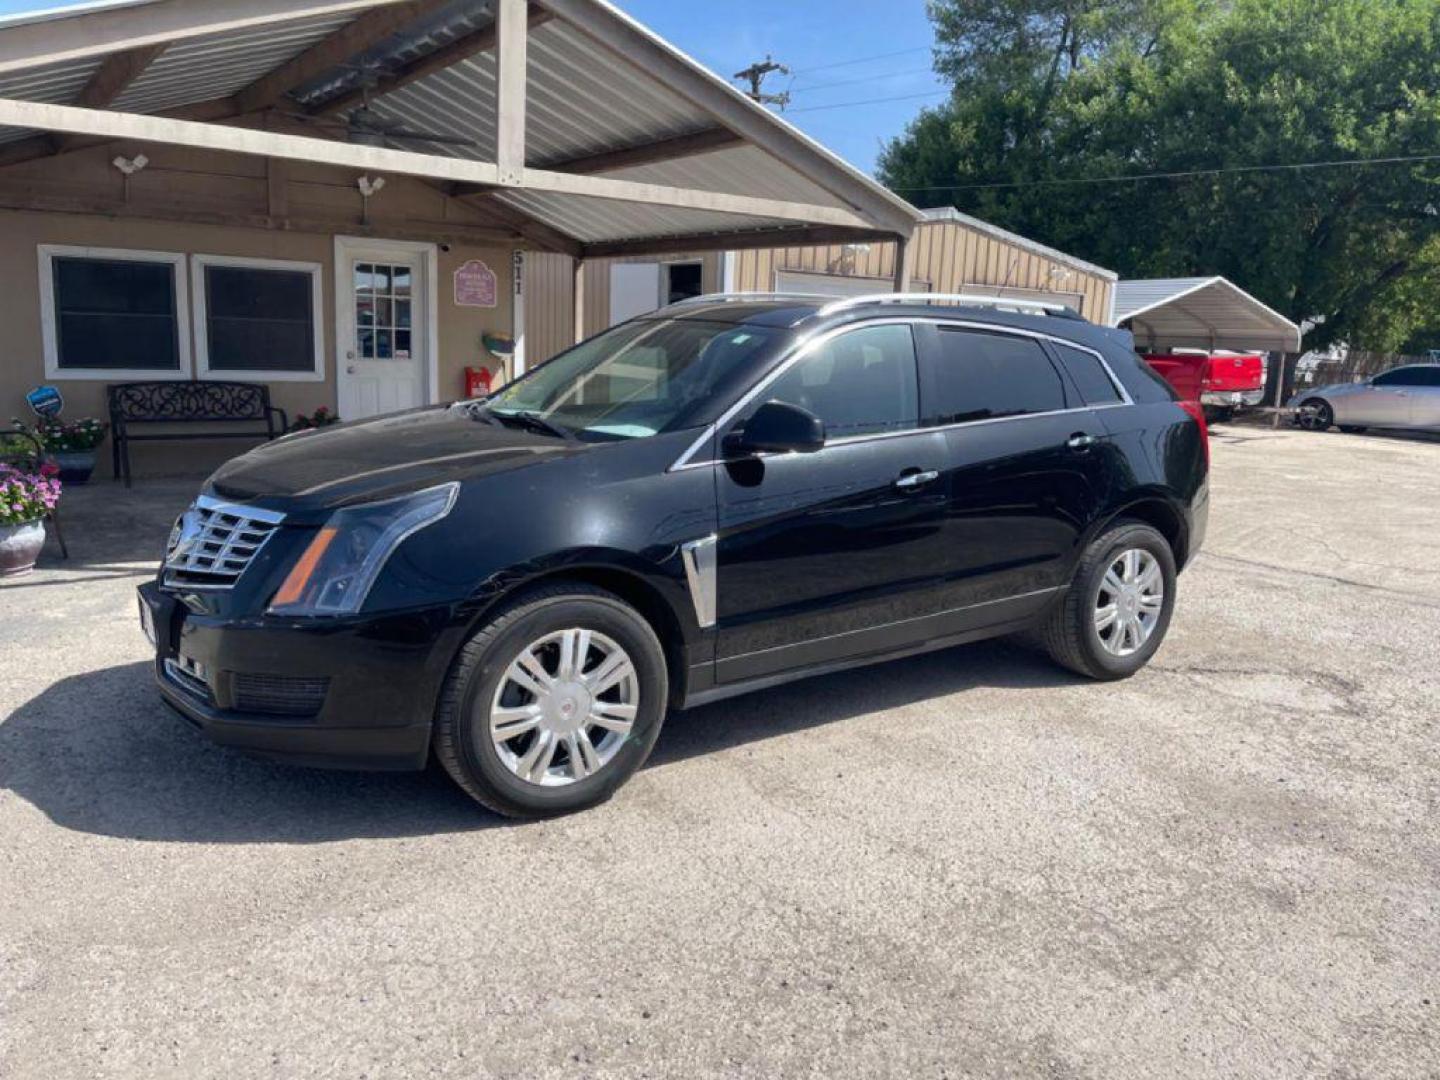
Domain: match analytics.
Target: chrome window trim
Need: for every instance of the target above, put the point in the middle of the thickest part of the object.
(802, 348)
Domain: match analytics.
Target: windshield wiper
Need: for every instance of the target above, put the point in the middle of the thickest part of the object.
(535, 422)
(478, 410)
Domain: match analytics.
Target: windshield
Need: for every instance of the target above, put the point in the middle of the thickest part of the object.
(640, 378)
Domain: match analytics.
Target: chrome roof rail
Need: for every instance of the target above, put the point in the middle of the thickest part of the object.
(740, 297)
(1037, 307)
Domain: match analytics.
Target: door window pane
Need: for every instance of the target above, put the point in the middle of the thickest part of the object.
(983, 376)
(259, 319)
(115, 314)
(383, 311)
(1089, 375)
(859, 383)
(1405, 376)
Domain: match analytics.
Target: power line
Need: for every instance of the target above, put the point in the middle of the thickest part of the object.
(1067, 181)
(855, 82)
(864, 59)
(868, 101)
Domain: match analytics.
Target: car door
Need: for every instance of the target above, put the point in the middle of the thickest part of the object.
(1425, 399)
(833, 554)
(1029, 465)
(1384, 402)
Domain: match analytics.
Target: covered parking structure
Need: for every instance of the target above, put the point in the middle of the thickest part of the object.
(362, 143)
(1208, 313)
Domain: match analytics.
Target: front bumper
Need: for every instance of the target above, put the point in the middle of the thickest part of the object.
(378, 679)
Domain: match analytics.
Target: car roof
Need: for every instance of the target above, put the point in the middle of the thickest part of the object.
(787, 311)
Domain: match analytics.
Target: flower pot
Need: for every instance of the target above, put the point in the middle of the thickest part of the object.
(75, 465)
(20, 546)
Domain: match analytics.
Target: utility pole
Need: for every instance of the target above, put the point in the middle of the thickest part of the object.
(755, 76)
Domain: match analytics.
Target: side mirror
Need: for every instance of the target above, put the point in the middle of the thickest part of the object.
(777, 428)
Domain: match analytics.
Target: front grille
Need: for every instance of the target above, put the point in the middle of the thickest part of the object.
(279, 695)
(190, 675)
(213, 543)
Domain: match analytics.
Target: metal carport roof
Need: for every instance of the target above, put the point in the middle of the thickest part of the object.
(1201, 312)
(610, 136)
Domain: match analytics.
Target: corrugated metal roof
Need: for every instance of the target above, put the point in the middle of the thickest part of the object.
(581, 100)
(1201, 312)
(55, 84)
(212, 67)
(949, 213)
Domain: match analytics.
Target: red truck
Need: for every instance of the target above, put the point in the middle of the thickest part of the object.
(1221, 381)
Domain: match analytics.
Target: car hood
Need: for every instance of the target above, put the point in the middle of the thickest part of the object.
(379, 458)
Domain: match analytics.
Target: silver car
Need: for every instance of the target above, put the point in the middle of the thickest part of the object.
(1403, 397)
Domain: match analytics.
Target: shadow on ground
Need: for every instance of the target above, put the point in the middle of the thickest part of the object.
(99, 753)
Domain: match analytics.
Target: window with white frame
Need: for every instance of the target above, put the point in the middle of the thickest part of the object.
(108, 313)
(257, 318)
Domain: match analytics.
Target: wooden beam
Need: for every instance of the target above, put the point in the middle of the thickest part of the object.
(704, 141)
(24, 199)
(745, 240)
(902, 264)
(349, 41)
(631, 44)
(462, 48)
(238, 140)
(75, 36)
(578, 299)
(116, 72)
(543, 237)
(510, 49)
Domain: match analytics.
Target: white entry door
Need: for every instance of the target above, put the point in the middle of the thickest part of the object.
(634, 290)
(381, 328)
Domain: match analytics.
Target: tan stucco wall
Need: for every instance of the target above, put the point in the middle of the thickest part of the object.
(22, 363)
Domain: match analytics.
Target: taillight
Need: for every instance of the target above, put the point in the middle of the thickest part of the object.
(1195, 409)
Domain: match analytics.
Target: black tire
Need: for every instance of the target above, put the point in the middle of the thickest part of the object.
(1316, 414)
(1069, 633)
(1351, 429)
(461, 737)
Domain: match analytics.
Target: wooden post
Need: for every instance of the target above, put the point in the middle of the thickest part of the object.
(902, 264)
(510, 44)
(579, 301)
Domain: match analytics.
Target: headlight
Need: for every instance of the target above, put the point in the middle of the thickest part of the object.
(335, 573)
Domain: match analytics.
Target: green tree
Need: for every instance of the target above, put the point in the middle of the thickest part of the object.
(1049, 94)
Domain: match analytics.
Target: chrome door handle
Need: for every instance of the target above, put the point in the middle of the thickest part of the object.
(1080, 441)
(910, 481)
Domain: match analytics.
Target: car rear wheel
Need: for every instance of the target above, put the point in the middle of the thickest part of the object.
(1315, 415)
(554, 703)
(1117, 609)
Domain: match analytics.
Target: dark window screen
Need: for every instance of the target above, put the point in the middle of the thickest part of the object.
(859, 383)
(984, 376)
(1088, 373)
(259, 319)
(115, 314)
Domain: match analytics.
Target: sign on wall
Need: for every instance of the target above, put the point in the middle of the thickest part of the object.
(475, 285)
(45, 400)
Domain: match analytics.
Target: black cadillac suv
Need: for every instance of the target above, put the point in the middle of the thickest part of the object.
(730, 493)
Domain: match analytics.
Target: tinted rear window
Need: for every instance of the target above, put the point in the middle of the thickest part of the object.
(984, 376)
(1089, 375)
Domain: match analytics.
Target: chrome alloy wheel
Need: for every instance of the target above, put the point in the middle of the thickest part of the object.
(1131, 597)
(564, 707)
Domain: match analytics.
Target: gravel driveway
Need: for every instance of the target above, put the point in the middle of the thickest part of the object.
(963, 864)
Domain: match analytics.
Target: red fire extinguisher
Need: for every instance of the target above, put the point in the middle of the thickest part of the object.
(477, 382)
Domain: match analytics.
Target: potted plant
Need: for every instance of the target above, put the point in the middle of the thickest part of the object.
(71, 444)
(321, 417)
(25, 499)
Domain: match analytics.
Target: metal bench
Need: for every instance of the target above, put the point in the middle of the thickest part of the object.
(188, 403)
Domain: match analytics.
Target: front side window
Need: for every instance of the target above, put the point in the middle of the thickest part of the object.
(258, 318)
(860, 382)
(986, 376)
(642, 377)
(1405, 376)
(109, 314)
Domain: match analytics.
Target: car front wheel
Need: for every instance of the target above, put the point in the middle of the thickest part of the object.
(1117, 608)
(554, 703)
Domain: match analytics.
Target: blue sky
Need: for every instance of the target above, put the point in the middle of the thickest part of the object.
(842, 52)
